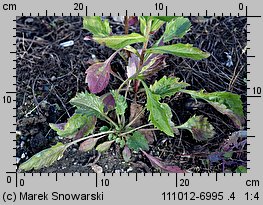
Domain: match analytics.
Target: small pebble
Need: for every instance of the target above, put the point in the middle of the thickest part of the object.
(96, 168)
(29, 20)
(53, 78)
(74, 150)
(129, 169)
(23, 156)
(22, 144)
(18, 160)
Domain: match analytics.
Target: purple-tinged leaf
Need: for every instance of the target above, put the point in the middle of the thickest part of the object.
(153, 64)
(87, 38)
(200, 128)
(87, 128)
(126, 154)
(132, 65)
(75, 126)
(227, 103)
(108, 101)
(88, 144)
(60, 126)
(236, 119)
(98, 75)
(158, 163)
(133, 20)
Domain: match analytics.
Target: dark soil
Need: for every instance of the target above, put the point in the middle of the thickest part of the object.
(48, 76)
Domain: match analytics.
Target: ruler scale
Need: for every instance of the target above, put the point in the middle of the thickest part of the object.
(131, 188)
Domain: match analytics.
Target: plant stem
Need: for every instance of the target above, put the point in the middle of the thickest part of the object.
(125, 96)
(110, 121)
(123, 83)
(126, 24)
(145, 44)
(136, 117)
(102, 134)
(137, 128)
(150, 129)
(118, 118)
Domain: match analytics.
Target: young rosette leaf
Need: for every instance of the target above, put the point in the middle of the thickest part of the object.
(226, 103)
(120, 102)
(120, 41)
(75, 125)
(180, 50)
(105, 146)
(167, 86)
(176, 28)
(160, 113)
(44, 158)
(137, 141)
(88, 144)
(89, 103)
(126, 154)
(96, 26)
(200, 128)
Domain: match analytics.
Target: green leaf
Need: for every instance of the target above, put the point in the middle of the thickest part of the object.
(117, 42)
(167, 87)
(103, 147)
(160, 113)
(44, 158)
(156, 25)
(165, 18)
(227, 103)
(228, 155)
(104, 128)
(241, 169)
(181, 50)
(133, 50)
(74, 124)
(96, 26)
(137, 141)
(143, 24)
(88, 102)
(120, 102)
(176, 28)
(200, 128)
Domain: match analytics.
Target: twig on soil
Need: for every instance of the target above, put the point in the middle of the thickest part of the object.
(95, 160)
(62, 103)
(39, 42)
